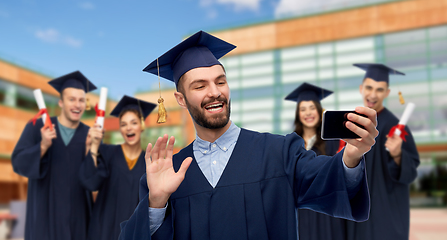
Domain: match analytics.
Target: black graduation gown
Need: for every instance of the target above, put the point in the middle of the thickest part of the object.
(58, 207)
(256, 195)
(118, 190)
(318, 226)
(389, 187)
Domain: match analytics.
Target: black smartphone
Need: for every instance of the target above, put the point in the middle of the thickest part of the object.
(333, 125)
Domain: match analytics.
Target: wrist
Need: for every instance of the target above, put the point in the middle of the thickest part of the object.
(157, 202)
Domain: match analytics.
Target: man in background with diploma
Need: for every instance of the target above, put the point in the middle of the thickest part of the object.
(391, 165)
(57, 206)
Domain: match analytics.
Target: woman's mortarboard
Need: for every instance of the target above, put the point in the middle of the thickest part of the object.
(127, 103)
(308, 92)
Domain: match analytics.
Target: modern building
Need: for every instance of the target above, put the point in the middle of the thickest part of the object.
(273, 58)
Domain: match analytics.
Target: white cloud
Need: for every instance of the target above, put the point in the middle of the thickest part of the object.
(51, 35)
(87, 5)
(242, 4)
(237, 5)
(293, 7)
(211, 14)
(72, 42)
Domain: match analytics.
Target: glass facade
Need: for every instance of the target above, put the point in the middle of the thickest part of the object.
(260, 81)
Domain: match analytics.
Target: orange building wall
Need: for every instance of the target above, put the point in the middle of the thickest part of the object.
(366, 21)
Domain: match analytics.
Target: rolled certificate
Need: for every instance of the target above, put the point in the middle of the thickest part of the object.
(407, 113)
(399, 129)
(40, 103)
(100, 110)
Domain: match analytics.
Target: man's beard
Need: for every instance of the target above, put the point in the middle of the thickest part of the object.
(214, 123)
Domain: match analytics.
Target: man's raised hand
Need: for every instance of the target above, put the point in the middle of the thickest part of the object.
(161, 178)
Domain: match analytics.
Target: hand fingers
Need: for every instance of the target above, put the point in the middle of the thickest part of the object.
(371, 113)
(369, 126)
(170, 148)
(163, 146)
(185, 166)
(156, 149)
(147, 156)
(362, 133)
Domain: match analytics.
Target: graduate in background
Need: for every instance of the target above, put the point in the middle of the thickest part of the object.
(390, 172)
(232, 183)
(115, 170)
(308, 120)
(58, 207)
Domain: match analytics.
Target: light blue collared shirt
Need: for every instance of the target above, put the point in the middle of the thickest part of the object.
(212, 159)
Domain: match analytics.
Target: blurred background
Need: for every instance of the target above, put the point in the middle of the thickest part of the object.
(280, 44)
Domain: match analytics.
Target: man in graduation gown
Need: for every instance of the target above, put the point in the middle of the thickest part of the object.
(58, 207)
(232, 183)
(391, 165)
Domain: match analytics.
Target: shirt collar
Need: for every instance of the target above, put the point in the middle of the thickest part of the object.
(223, 142)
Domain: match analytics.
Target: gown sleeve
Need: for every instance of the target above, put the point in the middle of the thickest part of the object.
(137, 227)
(92, 177)
(406, 172)
(319, 182)
(25, 158)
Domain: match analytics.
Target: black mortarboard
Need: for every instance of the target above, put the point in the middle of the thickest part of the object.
(308, 92)
(199, 50)
(377, 72)
(126, 103)
(74, 80)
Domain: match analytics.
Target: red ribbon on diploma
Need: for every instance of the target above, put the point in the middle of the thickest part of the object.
(99, 112)
(341, 145)
(403, 133)
(47, 118)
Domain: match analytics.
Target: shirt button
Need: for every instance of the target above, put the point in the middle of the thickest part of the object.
(214, 162)
(204, 151)
(214, 145)
(225, 149)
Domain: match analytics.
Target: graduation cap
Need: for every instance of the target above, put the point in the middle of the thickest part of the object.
(308, 92)
(199, 50)
(127, 103)
(379, 73)
(73, 80)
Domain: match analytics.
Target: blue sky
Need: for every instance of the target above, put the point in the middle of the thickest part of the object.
(112, 41)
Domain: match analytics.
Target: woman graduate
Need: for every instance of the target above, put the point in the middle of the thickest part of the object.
(308, 119)
(115, 170)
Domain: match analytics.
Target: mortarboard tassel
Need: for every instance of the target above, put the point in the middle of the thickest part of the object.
(87, 104)
(161, 111)
(401, 98)
(162, 115)
(143, 124)
(87, 101)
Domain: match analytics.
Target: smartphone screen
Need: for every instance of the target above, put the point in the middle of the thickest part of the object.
(333, 125)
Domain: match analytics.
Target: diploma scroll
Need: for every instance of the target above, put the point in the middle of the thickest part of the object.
(42, 109)
(101, 107)
(399, 129)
